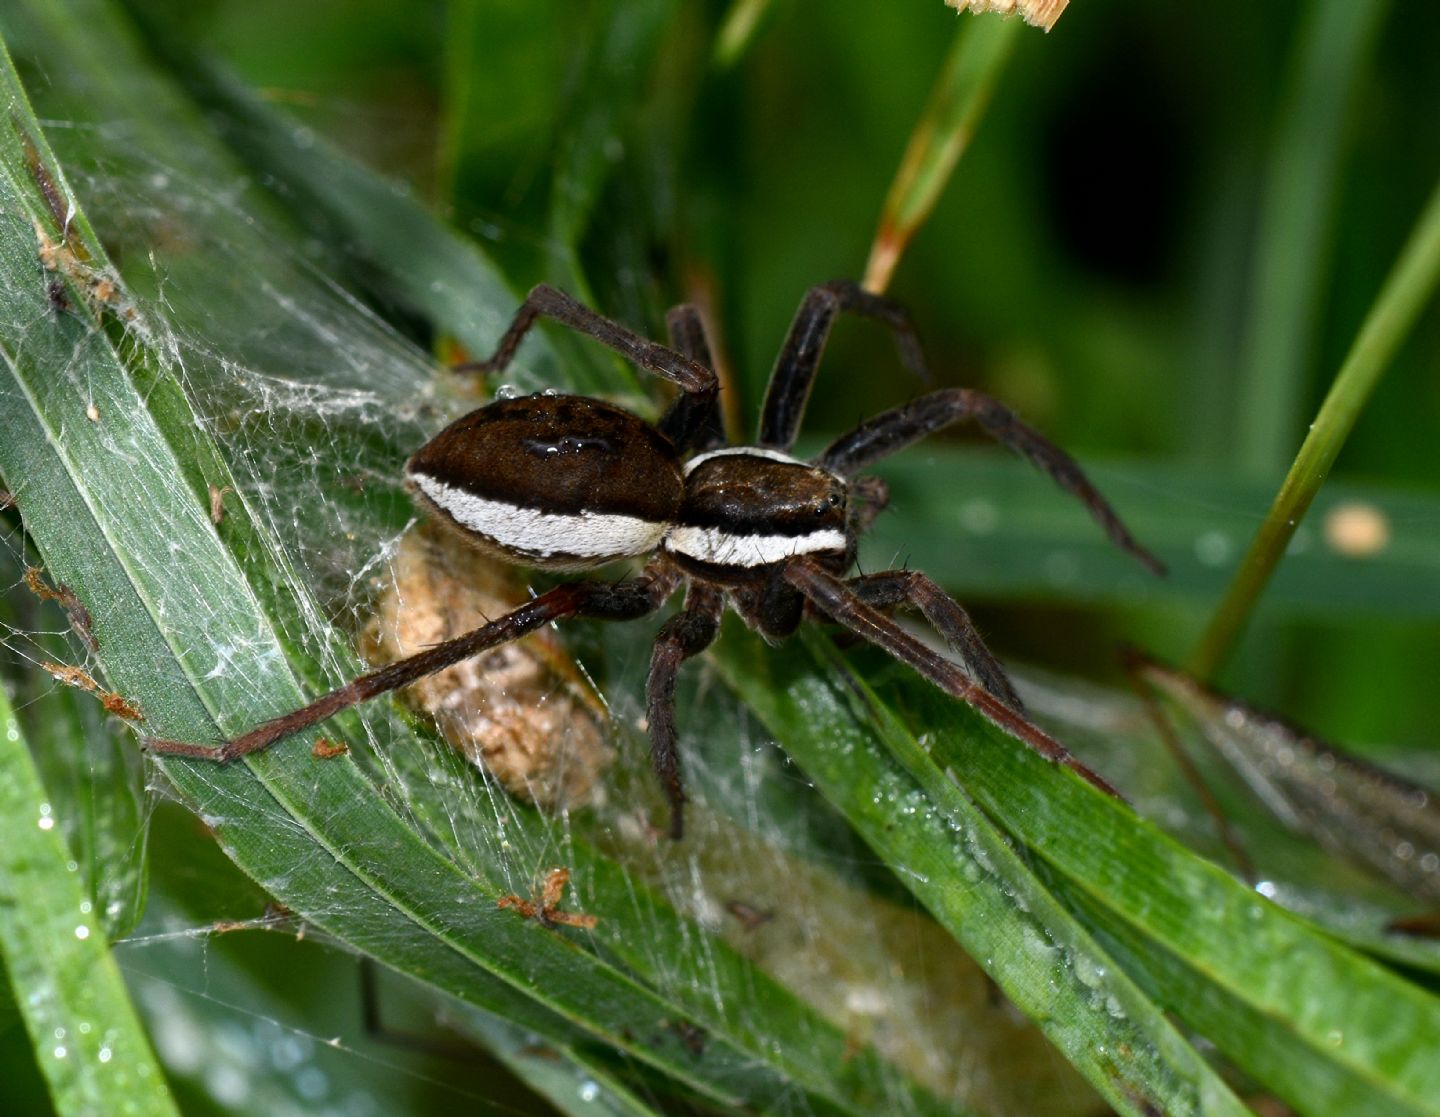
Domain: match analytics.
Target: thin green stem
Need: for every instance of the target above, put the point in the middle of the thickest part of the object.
(1406, 291)
(956, 105)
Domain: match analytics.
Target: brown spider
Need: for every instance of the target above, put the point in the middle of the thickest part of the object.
(570, 483)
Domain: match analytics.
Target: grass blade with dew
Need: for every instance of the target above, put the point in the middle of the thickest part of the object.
(949, 853)
(1362, 812)
(1277, 995)
(86, 1035)
(85, 757)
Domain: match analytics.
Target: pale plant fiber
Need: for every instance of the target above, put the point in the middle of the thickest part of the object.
(1037, 13)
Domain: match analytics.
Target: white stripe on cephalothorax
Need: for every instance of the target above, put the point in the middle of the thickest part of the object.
(532, 532)
(743, 451)
(723, 548)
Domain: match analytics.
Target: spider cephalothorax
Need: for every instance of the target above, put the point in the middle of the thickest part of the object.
(572, 483)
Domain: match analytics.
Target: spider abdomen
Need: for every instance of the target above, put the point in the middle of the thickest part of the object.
(552, 480)
(748, 507)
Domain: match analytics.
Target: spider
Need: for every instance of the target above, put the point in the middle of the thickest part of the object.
(572, 483)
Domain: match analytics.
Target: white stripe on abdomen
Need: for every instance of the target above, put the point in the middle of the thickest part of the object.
(723, 548)
(528, 531)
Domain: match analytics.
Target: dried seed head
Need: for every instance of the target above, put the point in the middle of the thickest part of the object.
(1037, 13)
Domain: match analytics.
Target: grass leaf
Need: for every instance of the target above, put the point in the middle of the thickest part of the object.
(1301, 176)
(1281, 999)
(87, 1037)
(946, 850)
(957, 105)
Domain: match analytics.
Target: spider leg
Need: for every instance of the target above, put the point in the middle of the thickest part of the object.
(895, 429)
(686, 634)
(625, 600)
(550, 302)
(891, 588)
(839, 602)
(794, 373)
(693, 420)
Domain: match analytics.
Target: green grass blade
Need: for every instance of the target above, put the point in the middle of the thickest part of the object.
(952, 857)
(739, 30)
(573, 1080)
(85, 758)
(565, 141)
(87, 1038)
(496, 100)
(1406, 291)
(1301, 180)
(1118, 737)
(220, 1002)
(957, 103)
(374, 232)
(1279, 998)
(614, 74)
(88, 764)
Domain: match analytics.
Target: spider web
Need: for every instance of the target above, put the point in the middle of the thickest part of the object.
(315, 401)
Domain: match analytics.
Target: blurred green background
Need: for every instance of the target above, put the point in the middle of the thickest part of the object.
(1110, 258)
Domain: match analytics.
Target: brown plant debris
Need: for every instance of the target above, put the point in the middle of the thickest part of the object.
(544, 908)
(217, 503)
(326, 749)
(80, 678)
(73, 606)
(100, 286)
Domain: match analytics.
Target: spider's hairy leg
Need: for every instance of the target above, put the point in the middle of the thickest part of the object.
(692, 421)
(794, 373)
(550, 302)
(687, 333)
(626, 600)
(686, 634)
(837, 601)
(890, 588)
(899, 427)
